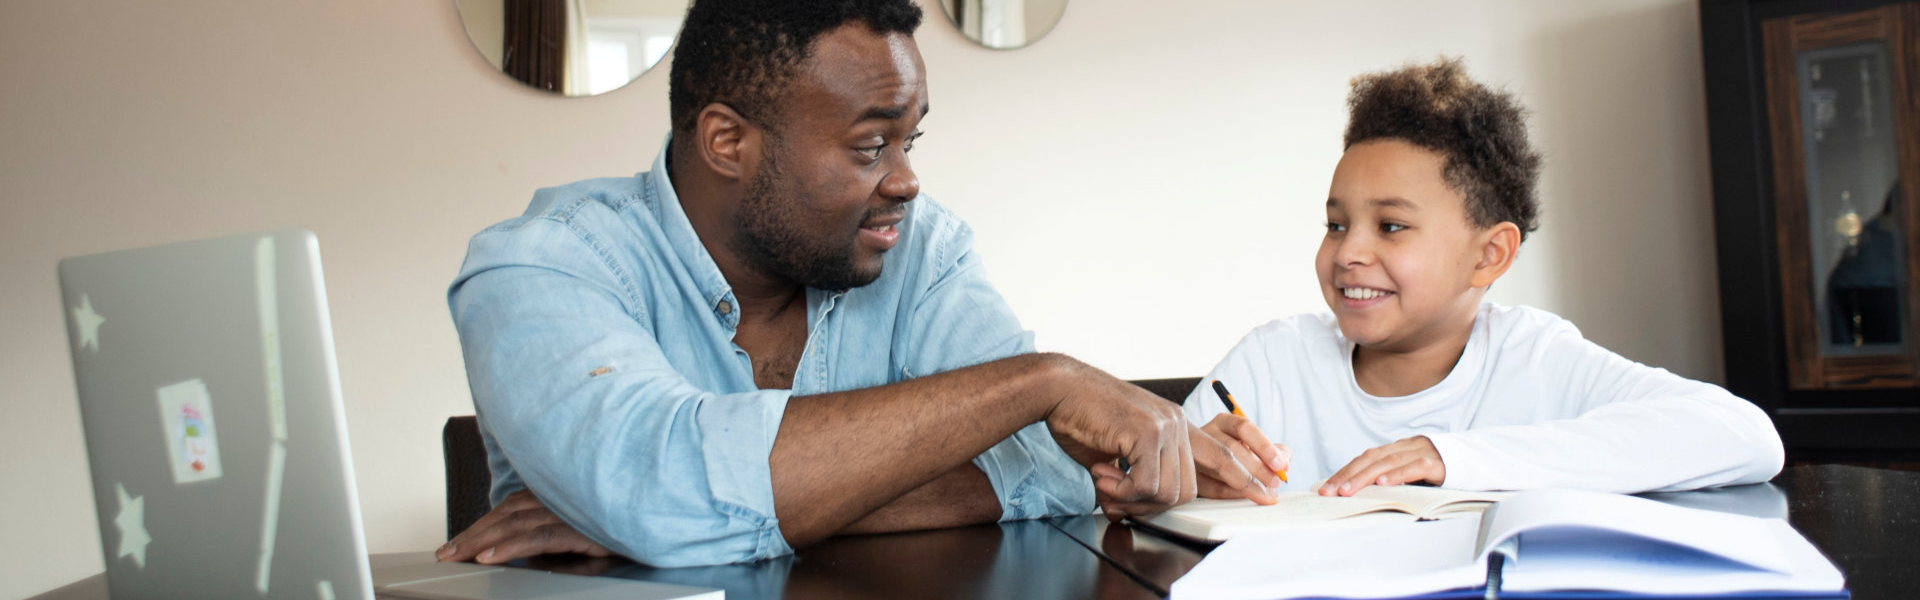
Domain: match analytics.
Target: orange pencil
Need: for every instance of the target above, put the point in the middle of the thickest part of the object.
(1227, 397)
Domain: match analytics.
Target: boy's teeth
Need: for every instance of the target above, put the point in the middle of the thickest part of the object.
(1362, 293)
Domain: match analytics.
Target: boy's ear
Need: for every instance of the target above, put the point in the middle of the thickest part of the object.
(726, 142)
(1499, 245)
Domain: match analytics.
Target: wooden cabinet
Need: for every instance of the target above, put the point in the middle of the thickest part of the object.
(1813, 112)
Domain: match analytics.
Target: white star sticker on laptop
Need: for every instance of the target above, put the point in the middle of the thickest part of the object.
(132, 523)
(89, 323)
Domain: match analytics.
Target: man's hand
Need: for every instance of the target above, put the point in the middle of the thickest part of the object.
(519, 527)
(1407, 461)
(1100, 419)
(1255, 454)
(1221, 473)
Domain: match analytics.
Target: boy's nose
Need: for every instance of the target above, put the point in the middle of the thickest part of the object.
(1355, 250)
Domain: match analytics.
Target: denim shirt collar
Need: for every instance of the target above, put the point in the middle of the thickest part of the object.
(685, 243)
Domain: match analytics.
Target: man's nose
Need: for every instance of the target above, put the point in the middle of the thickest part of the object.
(901, 184)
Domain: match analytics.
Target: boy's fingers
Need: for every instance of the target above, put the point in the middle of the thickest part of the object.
(1407, 473)
(1339, 483)
(1227, 464)
(1256, 440)
(1256, 468)
(1385, 468)
(1213, 488)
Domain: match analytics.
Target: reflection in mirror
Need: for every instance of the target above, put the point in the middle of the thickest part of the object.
(572, 47)
(1858, 247)
(1004, 24)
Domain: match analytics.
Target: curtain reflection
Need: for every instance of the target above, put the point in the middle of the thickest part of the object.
(573, 47)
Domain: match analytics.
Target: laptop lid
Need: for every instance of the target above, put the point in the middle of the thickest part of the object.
(215, 432)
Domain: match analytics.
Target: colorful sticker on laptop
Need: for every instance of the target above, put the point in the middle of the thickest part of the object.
(192, 441)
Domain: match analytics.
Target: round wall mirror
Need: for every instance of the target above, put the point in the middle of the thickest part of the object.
(1004, 24)
(572, 47)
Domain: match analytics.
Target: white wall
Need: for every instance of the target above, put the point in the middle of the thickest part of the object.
(1146, 183)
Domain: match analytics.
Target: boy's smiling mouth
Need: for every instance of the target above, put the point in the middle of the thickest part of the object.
(1362, 293)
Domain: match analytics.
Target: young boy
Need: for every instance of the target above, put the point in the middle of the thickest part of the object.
(1413, 377)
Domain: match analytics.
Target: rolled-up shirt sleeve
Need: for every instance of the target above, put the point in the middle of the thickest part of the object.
(961, 320)
(579, 402)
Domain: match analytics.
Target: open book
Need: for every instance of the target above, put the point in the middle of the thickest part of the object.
(1535, 544)
(1218, 520)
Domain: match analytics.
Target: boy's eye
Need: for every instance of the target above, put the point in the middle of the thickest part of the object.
(1333, 227)
(1391, 227)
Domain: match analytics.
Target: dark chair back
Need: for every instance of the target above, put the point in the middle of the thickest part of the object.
(1175, 390)
(468, 479)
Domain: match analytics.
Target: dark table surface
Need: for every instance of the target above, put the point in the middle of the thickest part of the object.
(1027, 559)
(1866, 520)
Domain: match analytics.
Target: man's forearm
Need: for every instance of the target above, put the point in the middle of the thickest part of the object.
(840, 457)
(963, 496)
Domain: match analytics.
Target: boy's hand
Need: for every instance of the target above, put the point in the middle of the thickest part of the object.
(1251, 448)
(1407, 461)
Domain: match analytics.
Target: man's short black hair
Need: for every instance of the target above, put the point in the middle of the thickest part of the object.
(741, 53)
(1482, 133)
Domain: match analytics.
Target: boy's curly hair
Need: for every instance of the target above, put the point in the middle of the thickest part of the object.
(1482, 133)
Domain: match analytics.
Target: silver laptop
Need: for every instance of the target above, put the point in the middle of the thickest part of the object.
(217, 438)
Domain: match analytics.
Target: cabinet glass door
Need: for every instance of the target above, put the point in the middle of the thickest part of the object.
(1844, 134)
(1858, 244)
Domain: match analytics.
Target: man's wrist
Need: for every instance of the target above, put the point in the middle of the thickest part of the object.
(1045, 383)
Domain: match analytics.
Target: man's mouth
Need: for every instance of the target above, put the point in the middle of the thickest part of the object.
(880, 231)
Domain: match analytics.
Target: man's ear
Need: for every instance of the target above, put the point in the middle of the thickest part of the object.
(726, 142)
(1499, 245)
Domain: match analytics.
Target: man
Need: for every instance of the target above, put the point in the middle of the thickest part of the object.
(712, 361)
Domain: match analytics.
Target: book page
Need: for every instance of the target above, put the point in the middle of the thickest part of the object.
(1215, 519)
(1555, 559)
(1433, 503)
(1381, 561)
(1734, 537)
(1296, 506)
(1587, 540)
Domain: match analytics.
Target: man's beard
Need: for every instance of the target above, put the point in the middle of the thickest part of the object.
(771, 238)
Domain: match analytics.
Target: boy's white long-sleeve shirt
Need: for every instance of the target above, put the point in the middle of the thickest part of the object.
(1531, 404)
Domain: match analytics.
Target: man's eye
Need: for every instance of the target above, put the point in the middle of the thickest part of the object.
(872, 153)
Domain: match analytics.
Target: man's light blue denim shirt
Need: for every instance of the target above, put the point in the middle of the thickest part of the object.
(599, 346)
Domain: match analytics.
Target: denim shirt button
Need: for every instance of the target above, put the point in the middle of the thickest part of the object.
(724, 307)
